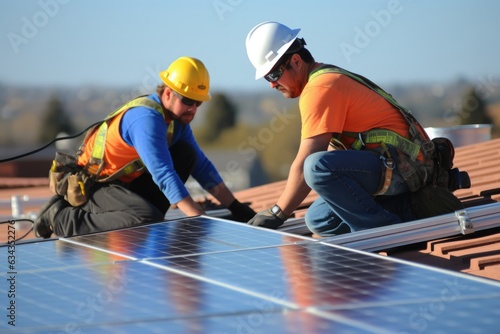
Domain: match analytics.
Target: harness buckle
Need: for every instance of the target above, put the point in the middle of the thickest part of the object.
(361, 139)
(388, 162)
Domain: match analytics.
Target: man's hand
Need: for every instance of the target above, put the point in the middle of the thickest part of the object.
(241, 212)
(266, 219)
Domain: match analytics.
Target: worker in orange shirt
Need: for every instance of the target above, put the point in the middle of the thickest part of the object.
(357, 148)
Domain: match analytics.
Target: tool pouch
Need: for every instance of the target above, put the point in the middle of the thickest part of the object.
(436, 196)
(68, 179)
(78, 188)
(444, 174)
(415, 173)
(437, 170)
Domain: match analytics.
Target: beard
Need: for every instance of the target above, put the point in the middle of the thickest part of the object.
(286, 93)
(184, 118)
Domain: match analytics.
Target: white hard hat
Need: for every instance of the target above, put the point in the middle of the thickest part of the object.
(266, 43)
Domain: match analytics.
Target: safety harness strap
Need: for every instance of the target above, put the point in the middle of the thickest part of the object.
(389, 165)
(96, 162)
(133, 166)
(366, 82)
(382, 137)
(388, 137)
(410, 147)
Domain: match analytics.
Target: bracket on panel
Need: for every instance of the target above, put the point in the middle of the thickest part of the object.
(466, 226)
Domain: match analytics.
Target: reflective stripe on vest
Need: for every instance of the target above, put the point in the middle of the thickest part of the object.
(96, 163)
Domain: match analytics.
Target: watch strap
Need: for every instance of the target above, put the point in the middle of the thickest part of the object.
(276, 210)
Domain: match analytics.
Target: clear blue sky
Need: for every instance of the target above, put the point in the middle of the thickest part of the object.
(125, 43)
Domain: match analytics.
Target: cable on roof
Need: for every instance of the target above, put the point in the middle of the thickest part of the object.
(50, 143)
(12, 237)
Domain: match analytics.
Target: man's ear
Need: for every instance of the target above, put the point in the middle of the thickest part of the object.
(167, 94)
(297, 60)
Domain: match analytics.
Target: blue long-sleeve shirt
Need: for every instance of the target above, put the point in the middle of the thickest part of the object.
(146, 130)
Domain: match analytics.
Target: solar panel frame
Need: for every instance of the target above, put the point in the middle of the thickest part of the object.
(229, 277)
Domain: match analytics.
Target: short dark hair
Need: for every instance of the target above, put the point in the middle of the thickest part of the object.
(298, 47)
(305, 55)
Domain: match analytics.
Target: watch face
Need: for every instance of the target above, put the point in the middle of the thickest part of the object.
(275, 209)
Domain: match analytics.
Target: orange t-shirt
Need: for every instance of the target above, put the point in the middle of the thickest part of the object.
(334, 103)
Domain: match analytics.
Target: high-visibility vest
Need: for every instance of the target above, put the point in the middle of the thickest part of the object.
(96, 163)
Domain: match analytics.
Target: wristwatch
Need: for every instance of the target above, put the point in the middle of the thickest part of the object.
(276, 210)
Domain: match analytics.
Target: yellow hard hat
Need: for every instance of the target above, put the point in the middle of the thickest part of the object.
(188, 77)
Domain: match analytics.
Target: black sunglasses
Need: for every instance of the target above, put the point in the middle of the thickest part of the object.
(187, 101)
(275, 75)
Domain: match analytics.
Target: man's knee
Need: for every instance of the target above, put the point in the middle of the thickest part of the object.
(311, 169)
(311, 223)
(327, 226)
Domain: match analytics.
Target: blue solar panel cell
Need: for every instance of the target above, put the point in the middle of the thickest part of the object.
(437, 315)
(53, 254)
(203, 275)
(185, 236)
(314, 274)
(256, 322)
(120, 293)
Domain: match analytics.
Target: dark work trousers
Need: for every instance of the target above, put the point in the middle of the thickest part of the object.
(115, 206)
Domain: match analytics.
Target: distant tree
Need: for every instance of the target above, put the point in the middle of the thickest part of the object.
(473, 110)
(54, 121)
(279, 150)
(220, 115)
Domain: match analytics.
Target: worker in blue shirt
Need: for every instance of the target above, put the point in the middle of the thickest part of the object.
(147, 152)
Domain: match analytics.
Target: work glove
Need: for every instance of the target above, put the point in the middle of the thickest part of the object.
(266, 219)
(241, 212)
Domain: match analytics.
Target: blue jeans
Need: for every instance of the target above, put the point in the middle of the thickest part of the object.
(346, 182)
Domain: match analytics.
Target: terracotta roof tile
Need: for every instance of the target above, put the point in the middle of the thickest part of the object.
(477, 255)
(482, 162)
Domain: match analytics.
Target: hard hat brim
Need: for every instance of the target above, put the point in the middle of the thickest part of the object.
(268, 66)
(188, 77)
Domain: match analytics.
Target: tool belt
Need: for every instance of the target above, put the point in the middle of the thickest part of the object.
(74, 182)
(68, 179)
(395, 151)
(435, 171)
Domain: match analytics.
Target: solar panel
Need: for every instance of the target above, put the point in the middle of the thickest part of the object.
(207, 275)
(184, 236)
(463, 222)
